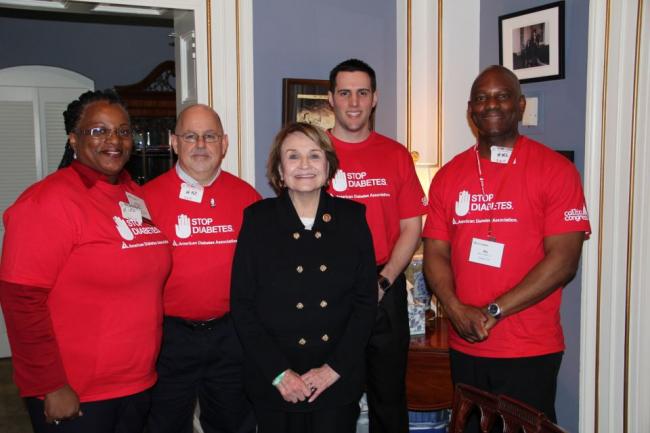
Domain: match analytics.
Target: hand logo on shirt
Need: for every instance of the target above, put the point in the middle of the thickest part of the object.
(183, 228)
(462, 204)
(123, 229)
(340, 182)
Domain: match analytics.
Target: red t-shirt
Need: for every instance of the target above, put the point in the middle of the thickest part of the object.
(204, 236)
(103, 275)
(379, 173)
(538, 194)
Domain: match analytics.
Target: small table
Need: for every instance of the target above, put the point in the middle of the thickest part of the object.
(428, 376)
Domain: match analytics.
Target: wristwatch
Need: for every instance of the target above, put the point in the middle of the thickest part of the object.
(384, 283)
(494, 310)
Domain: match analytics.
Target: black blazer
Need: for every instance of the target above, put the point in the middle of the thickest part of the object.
(301, 298)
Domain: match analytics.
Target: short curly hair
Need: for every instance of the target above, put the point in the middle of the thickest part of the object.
(315, 134)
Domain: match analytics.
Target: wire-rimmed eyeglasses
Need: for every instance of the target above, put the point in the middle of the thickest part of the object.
(193, 137)
(101, 132)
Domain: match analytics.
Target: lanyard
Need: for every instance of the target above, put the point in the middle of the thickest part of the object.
(481, 179)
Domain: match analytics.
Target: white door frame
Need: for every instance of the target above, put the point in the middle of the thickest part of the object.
(224, 68)
(615, 349)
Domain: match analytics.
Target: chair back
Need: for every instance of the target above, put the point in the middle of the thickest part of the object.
(517, 417)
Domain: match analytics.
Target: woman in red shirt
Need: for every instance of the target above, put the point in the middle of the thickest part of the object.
(81, 282)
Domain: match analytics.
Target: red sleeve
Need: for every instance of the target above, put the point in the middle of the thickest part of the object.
(436, 226)
(411, 201)
(564, 201)
(37, 364)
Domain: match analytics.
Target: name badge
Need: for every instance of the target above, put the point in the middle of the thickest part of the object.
(131, 212)
(500, 154)
(191, 193)
(486, 252)
(136, 201)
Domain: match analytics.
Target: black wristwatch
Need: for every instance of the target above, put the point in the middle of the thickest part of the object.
(384, 283)
(494, 310)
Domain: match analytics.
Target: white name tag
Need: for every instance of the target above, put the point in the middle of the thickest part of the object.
(500, 154)
(131, 212)
(191, 193)
(486, 252)
(136, 201)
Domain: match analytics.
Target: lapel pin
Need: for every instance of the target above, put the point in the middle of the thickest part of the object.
(327, 217)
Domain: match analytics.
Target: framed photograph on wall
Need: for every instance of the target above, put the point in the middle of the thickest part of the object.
(306, 101)
(531, 42)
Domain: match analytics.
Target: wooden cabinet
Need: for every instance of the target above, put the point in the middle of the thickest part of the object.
(151, 103)
(428, 376)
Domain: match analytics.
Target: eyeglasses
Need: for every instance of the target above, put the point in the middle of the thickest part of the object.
(101, 132)
(193, 137)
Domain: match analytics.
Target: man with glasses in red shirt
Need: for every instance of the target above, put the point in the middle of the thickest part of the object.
(200, 208)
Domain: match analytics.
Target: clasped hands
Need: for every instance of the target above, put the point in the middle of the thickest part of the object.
(471, 323)
(295, 387)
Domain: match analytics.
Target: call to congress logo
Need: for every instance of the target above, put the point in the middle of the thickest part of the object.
(576, 214)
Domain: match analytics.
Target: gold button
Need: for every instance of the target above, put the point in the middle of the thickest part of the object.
(302, 341)
(317, 235)
(327, 217)
(323, 268)
(296, 235)
(299, 269)
(300, 305)
(325, 337)
(323, 303)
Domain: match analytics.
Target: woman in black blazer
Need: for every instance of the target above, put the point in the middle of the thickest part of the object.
(304, 292)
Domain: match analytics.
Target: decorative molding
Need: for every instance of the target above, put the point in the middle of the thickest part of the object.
(614, 393)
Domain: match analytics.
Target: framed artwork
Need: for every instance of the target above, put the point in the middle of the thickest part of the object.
(306, 101)
(531, 42)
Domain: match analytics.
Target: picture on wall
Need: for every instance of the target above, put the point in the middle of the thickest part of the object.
(531, 42)
(306, 101)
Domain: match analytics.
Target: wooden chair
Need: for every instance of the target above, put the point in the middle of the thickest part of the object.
(516, 416)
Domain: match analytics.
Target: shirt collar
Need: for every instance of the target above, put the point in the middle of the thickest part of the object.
(190, 180)
(89, 176)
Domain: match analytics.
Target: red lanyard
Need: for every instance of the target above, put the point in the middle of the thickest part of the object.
(481, 179)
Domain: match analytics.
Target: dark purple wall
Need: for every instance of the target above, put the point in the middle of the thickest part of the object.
(306, 39)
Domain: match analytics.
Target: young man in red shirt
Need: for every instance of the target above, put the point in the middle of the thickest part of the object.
(379, 172)
(504, 233)
(200, 208)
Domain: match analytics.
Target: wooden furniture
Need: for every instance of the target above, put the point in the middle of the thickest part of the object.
(515, 415)
(151, 104)
(428, 377)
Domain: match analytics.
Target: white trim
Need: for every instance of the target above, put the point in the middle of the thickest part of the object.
(612, 217)
(461, 25)
(247, 100)
(401, 64)
(236, 114)
(589, 298)
(639, 378)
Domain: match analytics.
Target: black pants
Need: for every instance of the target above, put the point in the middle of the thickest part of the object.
(386, 358)
(204, 363)
(531, 380)
(341, 419)
(118, 415)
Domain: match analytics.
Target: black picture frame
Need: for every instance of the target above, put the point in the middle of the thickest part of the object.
(531, 42)
(305, 100)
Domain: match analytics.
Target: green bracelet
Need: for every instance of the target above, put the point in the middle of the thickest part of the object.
(278, 379)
